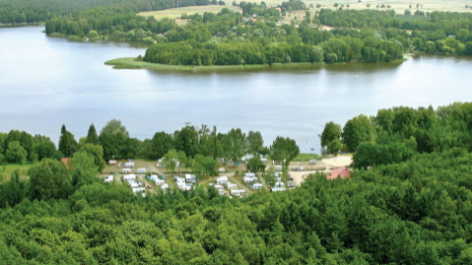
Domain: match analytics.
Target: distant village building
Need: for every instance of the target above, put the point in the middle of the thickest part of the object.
(342, 172)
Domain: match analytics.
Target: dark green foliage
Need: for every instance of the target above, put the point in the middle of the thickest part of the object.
(410, 202)
(67, 143)
(92, 137)
(330, 132)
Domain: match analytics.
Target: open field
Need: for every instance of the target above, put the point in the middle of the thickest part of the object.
(400, 5)
(9, 169)
(175, 13)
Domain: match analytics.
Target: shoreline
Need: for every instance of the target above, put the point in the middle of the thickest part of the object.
(131, 63)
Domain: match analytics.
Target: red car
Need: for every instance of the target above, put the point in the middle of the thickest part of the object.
(149, 187)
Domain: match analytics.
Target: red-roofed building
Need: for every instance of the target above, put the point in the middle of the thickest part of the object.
(342, 172)
(65, 160)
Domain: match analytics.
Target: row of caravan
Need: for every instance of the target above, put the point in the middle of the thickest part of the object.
(138, 171)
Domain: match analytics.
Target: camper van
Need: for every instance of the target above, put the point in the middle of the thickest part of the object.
(257, 186)
(129, 178)
(159, 182)
(190, 178)
(219, 188)
(221, 180)
(231, 186)
(109, 179)
(237, 192)
(126, 170)
(141, 170)
(279, 186)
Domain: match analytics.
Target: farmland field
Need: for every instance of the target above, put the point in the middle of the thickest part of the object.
(175, 13)
(398, 6)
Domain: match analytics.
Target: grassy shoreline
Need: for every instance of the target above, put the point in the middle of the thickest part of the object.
(131, 63)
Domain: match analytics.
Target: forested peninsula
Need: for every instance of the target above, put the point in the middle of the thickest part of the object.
(228, 38)
(408, 200)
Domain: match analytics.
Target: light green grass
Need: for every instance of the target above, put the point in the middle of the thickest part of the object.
(9, 169)
(132, 63)
(174, 13)
(306, 157)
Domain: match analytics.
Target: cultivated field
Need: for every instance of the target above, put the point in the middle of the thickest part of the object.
(175, 13)
(399, 6)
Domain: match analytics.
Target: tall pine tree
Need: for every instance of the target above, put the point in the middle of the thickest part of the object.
(65, 142)
(92, 137)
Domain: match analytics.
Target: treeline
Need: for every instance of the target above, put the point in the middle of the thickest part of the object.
(414, 207)
(31, 11)
(114, 142)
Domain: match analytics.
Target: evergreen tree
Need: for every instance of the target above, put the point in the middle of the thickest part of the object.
(92, 137)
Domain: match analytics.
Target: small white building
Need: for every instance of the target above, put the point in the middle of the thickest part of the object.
(279, 186)
(109, 179)
(190, 178)
(238, 192)
(141, 170)
(257, 186)
(159, 182)
(219, 188)
(126, 170)
(221, 180)
(129, 178)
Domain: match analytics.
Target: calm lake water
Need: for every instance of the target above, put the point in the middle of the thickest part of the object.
(46, 82)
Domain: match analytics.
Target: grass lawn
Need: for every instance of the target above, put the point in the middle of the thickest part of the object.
(307, 157)
(9, 169)
(174, 13)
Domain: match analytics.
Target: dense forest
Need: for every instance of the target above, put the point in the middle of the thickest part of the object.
(30, 11)
(408, 201)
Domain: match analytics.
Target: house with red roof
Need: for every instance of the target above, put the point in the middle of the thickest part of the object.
(342, 172)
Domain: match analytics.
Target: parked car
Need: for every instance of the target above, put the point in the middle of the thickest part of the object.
(149, 187)
(291, 185)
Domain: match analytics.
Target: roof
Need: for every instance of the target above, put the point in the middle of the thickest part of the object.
(342, 172)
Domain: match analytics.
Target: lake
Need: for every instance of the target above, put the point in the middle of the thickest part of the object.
(46, 82)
